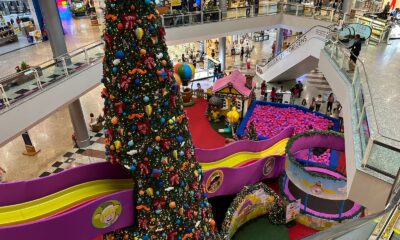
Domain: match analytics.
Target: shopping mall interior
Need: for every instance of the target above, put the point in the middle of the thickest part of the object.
(199, 119)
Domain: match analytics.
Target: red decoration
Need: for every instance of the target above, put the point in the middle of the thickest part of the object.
(143, 223)
(150, 64)
(172, 100)
(125, 81)
(119, 107)
(144, 128)
(120, 26)
(159, 203)
(129, 21)
(108, 39)
(173, 179)
(144, 168)
(173, 235)
(165, 144)
(162, 33)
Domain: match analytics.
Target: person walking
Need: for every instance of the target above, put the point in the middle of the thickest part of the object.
(318, 102)
(273, 94)
(331, 100)
(213, 53)
(183, 58)
(312, 104)
(247, 8)
(247, 50)
(263, 89)
(354, 52)
(233, 52)
(248, 63)
(300, 88)
(241, 53)
(273, 48)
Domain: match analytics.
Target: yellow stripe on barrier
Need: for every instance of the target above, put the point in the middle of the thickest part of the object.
(60, 201)
(243, 157)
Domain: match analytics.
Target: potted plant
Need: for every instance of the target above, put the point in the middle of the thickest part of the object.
(187, 95)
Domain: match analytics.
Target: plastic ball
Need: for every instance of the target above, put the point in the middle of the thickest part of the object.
(143, 51)
(115, 69)
(120, 26)
(130, 143)
(137, 82)
(172, 205)
(158, 138)
(164, 62)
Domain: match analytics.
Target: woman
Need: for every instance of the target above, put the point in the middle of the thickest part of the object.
(273, 94)
(248, 62)
(312, 104)
(263, 89)
(331, 99)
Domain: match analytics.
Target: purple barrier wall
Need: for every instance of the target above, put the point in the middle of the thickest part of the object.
(323, 141)
(75, 224)
(24, 191)
(234, 179)
(212, 155)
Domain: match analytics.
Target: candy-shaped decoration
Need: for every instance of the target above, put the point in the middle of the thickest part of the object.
(150, 191)
(185, 72)
(139, 33)
(117, 144)
(114, 120)
(149, 110)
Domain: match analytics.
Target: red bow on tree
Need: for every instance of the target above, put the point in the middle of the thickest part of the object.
(119, 107)
(129, 21)
(162, 32)
(159, 203)
(144, 168)
(125, 81)
(173, 235)
(143, 223)
(189, 214)
(173, 179)
(172, 100)
(150, 64)
(108, 39)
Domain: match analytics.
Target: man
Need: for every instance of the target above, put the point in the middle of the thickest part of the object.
(354, 52)
(318, 103)
(300, 88)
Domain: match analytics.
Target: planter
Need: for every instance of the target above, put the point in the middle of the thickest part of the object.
(187, 95)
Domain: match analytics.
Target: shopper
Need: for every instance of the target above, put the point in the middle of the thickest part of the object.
(213, 53)
(233, 52)
(312, 104)
(263, 89)
(318, 102)
(247, 50)
(241, 53)
(194, 63)
(248, 63)
(247, 3)
(183, 58)
(354, 52)
(331, 100)
(92, 120)
(300, 88)
(2, 172)
(273, 94)
(273, 48)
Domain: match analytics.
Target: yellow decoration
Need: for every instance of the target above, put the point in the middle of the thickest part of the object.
(193, 70)
(175, 153)
(117, 144)
(149, 110)
(233, 116)
(150, 192)
(178, 79)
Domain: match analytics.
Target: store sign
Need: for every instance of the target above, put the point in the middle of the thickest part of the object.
(293, 210)
(176, 3)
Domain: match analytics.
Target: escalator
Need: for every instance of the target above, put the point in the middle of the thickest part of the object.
(299, 58)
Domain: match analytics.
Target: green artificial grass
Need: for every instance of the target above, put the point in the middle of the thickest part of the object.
(261, 229)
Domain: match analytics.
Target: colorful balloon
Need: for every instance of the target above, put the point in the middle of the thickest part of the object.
(139, 33)
(178, 79)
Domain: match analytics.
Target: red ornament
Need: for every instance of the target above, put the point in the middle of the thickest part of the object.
(159, 203)
(132, 8)
(125, 81)
(144, 168)
(172, 100)
(173, 235)
(162, 33)
(108, 39)
(173, 179)
(129, 21)
(119, 107)
(150, 64)
(120, 26)
(165, 144)
(143, 223)
(144, 128)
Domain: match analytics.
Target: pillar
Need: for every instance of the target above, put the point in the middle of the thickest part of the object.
(79, 124)
(223, 5)
(54, 27)
(279, 41)
(347, 5)
(36, 13)
(222, 52)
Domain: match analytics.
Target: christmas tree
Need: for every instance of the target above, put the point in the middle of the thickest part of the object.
(146, 128)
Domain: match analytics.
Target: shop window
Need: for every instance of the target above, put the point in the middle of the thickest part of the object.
(238, 104)
(225, 104)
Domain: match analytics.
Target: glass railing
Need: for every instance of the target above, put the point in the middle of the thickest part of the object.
(19, 87)
(376, 226)
(378, 149)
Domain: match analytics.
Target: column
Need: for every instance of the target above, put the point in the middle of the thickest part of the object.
(347, 5)
(224, 7)
(222, 52)
(36, 13)
(78, 121)
(279, 41)
(54, 27)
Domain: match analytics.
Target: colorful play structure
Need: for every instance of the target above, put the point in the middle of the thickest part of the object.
(98, 198)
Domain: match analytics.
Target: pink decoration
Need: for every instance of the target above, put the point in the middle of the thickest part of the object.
(269, 121)
(238, 81)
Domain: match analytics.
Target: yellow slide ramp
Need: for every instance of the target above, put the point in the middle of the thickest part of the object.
(242, 157)
(60, 201)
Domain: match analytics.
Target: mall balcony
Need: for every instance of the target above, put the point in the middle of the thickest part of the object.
(369, 96)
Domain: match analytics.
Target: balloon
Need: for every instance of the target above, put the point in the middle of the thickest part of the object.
(139, 33)
(177, 66)
(148, 110)
(193, 70)
(178, 79)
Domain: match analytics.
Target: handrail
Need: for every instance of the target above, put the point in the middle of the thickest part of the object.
(299, 41)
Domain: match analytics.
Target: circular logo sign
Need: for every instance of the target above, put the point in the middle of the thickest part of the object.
(106, 214)
(214, 181)
(269, 166)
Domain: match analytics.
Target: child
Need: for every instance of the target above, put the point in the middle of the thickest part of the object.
(312, 104)
(304, 102)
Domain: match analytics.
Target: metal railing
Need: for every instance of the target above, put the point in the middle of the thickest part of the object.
(377, 154)
(19, 87)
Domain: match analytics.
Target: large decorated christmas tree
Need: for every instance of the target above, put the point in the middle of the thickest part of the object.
(147, 129)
